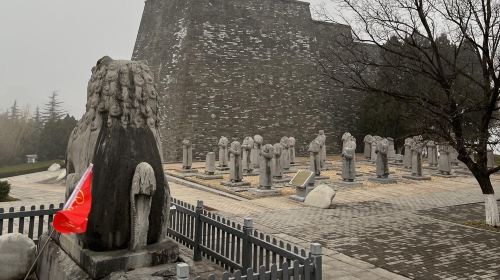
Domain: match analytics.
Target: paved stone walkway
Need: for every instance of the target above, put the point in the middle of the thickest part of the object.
(412, 229)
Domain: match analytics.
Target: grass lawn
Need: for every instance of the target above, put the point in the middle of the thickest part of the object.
(26, 168)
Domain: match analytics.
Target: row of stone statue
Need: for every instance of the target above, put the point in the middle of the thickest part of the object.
(241, 159)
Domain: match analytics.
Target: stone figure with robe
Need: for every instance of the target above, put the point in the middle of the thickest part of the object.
(246, 158)
(348, 159)
(382, 149)
(266, 154)
(235, 166)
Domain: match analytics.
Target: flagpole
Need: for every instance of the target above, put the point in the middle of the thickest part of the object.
(38, 255)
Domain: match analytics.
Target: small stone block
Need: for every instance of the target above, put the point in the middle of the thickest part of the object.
(235, 184)
(349, 184)
(209, 177)
(264, 192)
(222, 168)
(186, 170)
(321, 178)
(182, 271)
(417, 178)
(297, 198)
(282, 180)
(444, 175)
(382, 180)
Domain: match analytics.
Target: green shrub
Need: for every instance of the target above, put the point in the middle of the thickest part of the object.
(4, 190)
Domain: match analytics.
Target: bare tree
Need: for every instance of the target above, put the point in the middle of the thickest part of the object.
(439, 56)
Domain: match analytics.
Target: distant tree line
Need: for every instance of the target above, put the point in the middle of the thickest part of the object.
(44, 133)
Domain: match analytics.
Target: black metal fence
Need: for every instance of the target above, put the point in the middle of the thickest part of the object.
(239, 249)
(35, 221)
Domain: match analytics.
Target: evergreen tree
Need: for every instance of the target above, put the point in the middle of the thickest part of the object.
(14, 111)
(52, 110)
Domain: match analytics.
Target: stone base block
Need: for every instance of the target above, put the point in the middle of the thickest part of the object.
(209, 177)
(254, 173)
(382, 180)
(290, 171)
(100, 264)
(396, 163)
(297, 198)
(186, 170)
(348, 184)
(282, 180)
(442, 175)
(264, 192)
(417, 178)
(463, 172)
(357, 174)
(430, 167)
(222, 168)
(318, 178)
(235, 184)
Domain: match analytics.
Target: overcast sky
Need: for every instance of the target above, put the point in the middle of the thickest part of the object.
(51, 45)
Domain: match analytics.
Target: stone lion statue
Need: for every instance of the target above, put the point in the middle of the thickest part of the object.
(119, 134)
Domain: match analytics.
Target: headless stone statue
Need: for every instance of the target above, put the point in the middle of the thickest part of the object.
(407, 158)
(119, 134)
(444, 164)
(143, 188)
(235, 167)
(490, 159)
(187, 154)
(453, 156)
(277, 167)
(373, 156)
(391, 154)
(322, 141)
(382, 149)
(314, 157)
(432, 154)
(210, 164)
(368, 146)
(291, 142)
(416, 151)
(265, 174)
(348, 159)
(223, 153)
(247, 149)
(255, 153)
(285, 154)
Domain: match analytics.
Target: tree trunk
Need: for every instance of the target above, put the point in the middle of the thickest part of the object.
(491, 208)
(490, 202)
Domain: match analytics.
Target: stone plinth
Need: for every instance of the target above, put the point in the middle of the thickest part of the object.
(235, 184)
(377, 180)
(186, 171)
(348, 183)
(442, 175)
(222, 168)
(209, 176)
(282, 180)
(73, 262)
(417, 178)
(264, 192)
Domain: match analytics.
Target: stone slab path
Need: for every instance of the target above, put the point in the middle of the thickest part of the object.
(412, 229)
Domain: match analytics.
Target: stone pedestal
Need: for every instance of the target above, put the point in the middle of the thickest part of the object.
(263, 192)
(417, 178)
(235, 184)
(73, 262)
(301, 193)
(187, 171)
(282, 180)
(209, 176)
(443, 175)
(377, 180)
(348, 183)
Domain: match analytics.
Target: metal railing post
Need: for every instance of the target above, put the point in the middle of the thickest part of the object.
(198, 231)
(246, 258)
(316, 256)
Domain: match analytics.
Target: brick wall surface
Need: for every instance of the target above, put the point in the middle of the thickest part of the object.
(237, 68)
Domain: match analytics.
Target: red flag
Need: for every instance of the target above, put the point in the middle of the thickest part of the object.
(73, 217)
